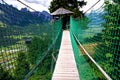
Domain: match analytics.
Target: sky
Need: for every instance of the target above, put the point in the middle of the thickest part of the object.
(41, 5)
(90, 3)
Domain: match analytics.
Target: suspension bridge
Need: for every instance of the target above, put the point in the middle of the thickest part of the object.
(66, 68)
(31, 49)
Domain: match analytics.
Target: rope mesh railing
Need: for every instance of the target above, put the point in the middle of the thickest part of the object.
(99, 35)
(84, 69)
(25, 40)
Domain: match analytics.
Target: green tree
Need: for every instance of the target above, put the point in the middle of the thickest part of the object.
(43, 72)
(22, 67)
(72, 5)
(37, 47)
(117, 1)
(110, 36)
(4, 75)
(33, 50)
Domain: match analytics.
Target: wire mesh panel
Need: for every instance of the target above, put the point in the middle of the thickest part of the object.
(24, 39)
(99, 35)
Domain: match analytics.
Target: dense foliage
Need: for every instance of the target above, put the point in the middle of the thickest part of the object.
(117, 1)
(4, 75)
(72, 5)
(112, 39)
(22, 67)
(36, 48)
(44, 70)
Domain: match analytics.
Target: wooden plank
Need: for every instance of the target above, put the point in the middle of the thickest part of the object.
(65, 68)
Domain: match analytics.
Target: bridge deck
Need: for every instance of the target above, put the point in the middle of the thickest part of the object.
(66, 68)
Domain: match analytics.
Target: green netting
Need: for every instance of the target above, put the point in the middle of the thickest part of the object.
(100, 36)
(25, 40)
(84, 69)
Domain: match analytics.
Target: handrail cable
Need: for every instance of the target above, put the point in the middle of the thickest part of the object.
(99, 9)
(4, 1)
(23, 4)
(26, 5)
(92, 6)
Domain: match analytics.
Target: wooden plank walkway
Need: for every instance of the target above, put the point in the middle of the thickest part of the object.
(66, 68)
